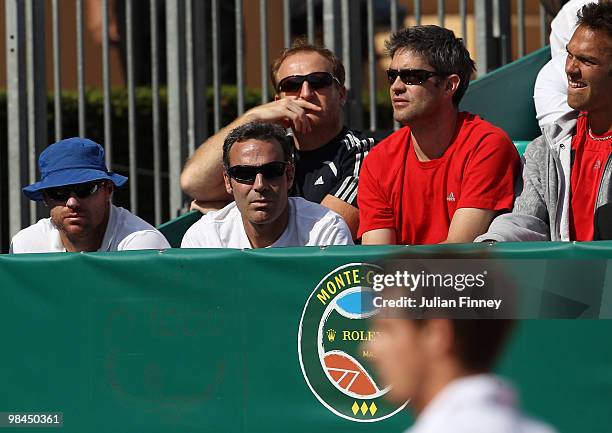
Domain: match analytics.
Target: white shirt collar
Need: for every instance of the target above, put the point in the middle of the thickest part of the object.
(467, 392)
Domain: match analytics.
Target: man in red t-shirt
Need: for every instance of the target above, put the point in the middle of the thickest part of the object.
(568, 170)
(446, 174)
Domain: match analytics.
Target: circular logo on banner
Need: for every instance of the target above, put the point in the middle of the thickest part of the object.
(334, 360)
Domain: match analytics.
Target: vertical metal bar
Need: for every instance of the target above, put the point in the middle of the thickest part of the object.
(157, 191)
(332, 35)
(543, 26)
(57, 77)
(263, 25)
(520, 12)
(216, 65)
(351, 58)
(372, 65)
(16, 113)
(80, 67)
(485, 42)
(176, 101)
(310, 20)
(200, 32)
(502, 15)
(108, 135)
(346, 60)
(286, 23)
(189, 64)
(37, 92)
(393, 17)
(129, 41)
(441, 12)
(346, 40)
(239, 58)
(417, 12)
(463, 17)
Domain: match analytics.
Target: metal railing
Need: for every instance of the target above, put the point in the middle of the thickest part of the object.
(189, 26)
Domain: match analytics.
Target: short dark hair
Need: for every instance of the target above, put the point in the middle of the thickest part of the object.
(301, 45)
(479, 342)
(260, 131)
(479, 336)
(440, 48)
(597, 16)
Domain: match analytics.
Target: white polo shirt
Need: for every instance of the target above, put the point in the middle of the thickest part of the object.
(309, 224)
(125, 231)
(476, 404)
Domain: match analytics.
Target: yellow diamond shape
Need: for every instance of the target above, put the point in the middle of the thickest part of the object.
(364, 408)
(373, 408)
(355, 408)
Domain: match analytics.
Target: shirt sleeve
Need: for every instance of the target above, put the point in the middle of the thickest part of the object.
(375, 211)
(550, 91)
(350, 166)
(490, 175)
(336, 232)
(144, 240)
(529, 220)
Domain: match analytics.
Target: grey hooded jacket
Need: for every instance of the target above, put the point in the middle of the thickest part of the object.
(541, 209)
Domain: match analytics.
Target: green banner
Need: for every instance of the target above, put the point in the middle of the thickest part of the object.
(207, 341)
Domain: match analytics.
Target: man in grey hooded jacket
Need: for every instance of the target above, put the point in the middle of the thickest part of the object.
(565, 179)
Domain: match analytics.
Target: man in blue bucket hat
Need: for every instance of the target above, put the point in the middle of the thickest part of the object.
(77, 187)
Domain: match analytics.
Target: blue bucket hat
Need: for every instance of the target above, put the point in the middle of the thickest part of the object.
(68, 162)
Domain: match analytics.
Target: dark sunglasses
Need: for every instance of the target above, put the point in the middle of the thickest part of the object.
(81, 190)
(316, 80)
(248, 173)
(410, 76)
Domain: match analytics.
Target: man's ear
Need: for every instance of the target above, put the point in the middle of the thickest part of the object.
(343, 94)
(439, 338)
(228, 183)
(276, 97)
(110, 189)
(453, 82)
(290, 173)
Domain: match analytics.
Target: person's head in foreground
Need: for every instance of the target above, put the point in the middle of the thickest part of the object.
(589, 65)
(429, 73)
(77, 188)
(258, 173)
(443, 367)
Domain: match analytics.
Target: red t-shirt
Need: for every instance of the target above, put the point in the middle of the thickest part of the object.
(587, 170)
(419, 198)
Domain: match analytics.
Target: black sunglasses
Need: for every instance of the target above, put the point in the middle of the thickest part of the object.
(248, 173)
(410, 76)
(316, 80)
(81, 190)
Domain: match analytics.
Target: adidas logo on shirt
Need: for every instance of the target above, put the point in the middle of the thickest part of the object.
(319, 181)
(451, 197)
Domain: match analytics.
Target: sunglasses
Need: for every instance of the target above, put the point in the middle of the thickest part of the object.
(410, 76)
(248, 173)
(316, 80)
(81, 190)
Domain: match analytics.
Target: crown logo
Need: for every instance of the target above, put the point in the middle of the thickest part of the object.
(331, 334)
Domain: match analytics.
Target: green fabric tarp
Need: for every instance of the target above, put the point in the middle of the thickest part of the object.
(205, 340)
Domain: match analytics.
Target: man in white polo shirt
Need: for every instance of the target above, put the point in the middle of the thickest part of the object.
(443, 364)
(258, 173)
(77, 187)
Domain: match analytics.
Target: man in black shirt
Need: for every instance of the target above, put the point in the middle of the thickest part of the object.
(310, 94)
(332, 169)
